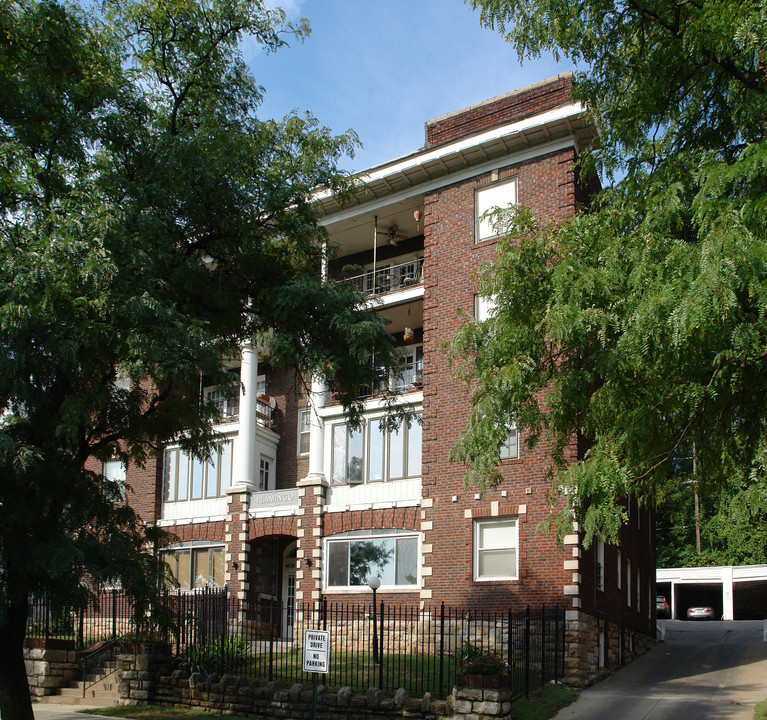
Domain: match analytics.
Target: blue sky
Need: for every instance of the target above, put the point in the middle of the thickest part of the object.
(384, 67)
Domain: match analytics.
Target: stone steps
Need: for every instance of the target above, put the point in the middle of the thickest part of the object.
(94, 696)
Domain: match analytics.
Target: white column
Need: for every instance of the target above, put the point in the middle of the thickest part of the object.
(247, 454)
(672, 612)
(317, 431)
(728, 607)
(317, 399)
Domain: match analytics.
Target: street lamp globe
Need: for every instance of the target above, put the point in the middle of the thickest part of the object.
(374, 582)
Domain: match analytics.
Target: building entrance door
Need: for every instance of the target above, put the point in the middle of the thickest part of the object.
(288, 590)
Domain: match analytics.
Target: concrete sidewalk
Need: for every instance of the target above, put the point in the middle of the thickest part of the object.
(703, 671)
(55, 711)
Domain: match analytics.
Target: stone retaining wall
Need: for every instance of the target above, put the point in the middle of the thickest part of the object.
(239, 696)
(597, 648)
(50, 666)
(475, 703)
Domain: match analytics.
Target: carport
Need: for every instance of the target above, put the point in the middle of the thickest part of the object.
(734, 592)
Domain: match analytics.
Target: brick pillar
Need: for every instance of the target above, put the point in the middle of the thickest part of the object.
(237, 541)
(311, 496)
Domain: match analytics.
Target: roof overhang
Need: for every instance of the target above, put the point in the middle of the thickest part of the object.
(427, 167)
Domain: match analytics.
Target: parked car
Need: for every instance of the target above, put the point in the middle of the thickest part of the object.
(700, 613)
(661, 606)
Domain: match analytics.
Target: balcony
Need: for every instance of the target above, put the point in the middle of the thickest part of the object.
(229, 408)
(407, 378)
(389, 278)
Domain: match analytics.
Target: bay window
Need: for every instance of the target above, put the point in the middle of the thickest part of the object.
(375, 454)
(196, 567)
(189, 478)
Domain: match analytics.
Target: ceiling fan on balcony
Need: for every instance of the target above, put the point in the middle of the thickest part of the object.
(394, 236)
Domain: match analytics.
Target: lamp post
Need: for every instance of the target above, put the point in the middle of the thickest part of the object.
(374, 583)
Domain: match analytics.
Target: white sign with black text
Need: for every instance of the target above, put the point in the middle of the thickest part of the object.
(316, 651)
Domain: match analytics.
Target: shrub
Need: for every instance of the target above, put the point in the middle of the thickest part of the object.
(487, 663)
(208, 658)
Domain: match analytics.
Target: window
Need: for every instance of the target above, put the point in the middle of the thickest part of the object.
(122, 382)
(412, 368)
(374, 454)
(510, 449)
(407, 376)
(228, 405)
(187, 478)
(620, 570)
(263, 474)
(304, 429)
(639, 589)
(196, 567)
(495, 549)
(351, 560)
(628, 583)
(484, 307)
(114, 472)
(486, 199)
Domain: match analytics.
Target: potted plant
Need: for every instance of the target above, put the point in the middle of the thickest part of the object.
(483, 670)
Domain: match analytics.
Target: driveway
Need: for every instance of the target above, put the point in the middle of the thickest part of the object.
(703, 670)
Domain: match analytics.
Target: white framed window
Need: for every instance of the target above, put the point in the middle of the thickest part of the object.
(122, 381)
(484, 307)
(114, 471)
(352, 558)
(495, 549)
(487, 199)
(304, 430)
(510, 449)
(264, 480)
(227, 404)
(261, 385)
(375, 454)
(196, 566)
(412, 368)
(189, 478)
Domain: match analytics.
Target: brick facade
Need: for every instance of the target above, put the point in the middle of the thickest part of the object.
(511, 107)
(426, 215)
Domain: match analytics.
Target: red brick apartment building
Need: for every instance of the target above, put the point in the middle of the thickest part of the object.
(298, 508)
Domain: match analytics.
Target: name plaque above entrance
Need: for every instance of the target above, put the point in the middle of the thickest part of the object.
(274, 498)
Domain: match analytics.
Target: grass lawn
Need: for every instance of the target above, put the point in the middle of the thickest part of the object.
(544, 703)
(760, 712)
(416, 673)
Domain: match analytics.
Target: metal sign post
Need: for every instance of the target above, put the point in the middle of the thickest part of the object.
(316, 659)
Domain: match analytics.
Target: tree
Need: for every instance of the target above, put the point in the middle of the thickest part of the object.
(638, 328)
(151, 223)
(733, 526)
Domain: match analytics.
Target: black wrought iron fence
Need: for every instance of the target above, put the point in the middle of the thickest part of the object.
(105, 617)
(421, 650)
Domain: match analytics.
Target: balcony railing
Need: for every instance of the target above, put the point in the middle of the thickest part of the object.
(409, 377)
(390, 278)
(230, 413)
